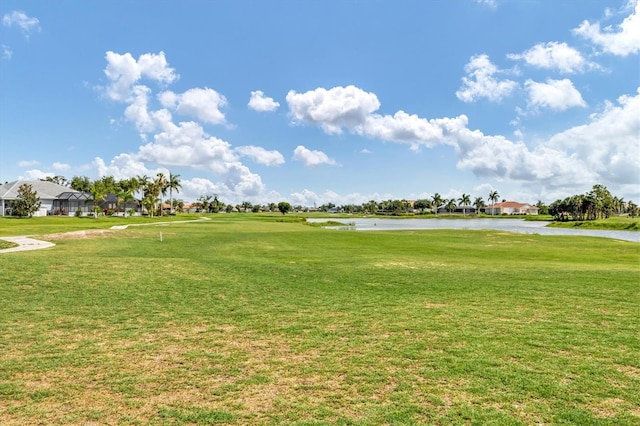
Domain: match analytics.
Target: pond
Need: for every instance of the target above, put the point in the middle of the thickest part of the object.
(520, 226)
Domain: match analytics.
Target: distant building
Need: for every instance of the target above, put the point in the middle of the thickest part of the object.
(60, 200)
(54, 198)
(511, 208)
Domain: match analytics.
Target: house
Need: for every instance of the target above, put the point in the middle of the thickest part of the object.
(511, 208)
(54, 198)
(471, 210)
(111, 205)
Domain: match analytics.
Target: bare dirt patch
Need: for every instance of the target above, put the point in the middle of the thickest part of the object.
(75, 235)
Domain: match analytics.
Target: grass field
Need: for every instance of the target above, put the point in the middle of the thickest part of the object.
(258, 320)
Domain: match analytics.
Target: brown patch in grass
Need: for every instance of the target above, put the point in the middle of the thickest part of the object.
(435, 305)
(409, 265)
(608, 407)
(629, 371)
(75, 235)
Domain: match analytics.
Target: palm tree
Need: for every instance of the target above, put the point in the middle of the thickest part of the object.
(161, 185)
(493, 197)
(179, 205)
(437, 202)
(464, 200)
(451, 205)
(478, 203)
(173, 183)
(149, 201)
(98, 193)
(150, 198)
(124, 196)
(140, 184)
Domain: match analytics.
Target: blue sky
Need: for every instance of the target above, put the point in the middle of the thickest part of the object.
(326, 101)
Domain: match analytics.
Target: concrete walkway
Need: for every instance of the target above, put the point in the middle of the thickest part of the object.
(25, 243)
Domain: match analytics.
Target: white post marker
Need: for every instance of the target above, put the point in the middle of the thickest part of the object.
(160, 236)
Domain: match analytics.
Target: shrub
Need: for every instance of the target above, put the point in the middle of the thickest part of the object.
(78, 213)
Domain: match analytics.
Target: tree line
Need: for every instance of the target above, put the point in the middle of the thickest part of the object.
(423, 205)
(595, 204)
(598, 203)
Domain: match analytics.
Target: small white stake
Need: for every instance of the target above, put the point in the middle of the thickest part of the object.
(160, 236)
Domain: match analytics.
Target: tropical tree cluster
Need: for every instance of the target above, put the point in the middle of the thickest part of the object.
(598, 203)
(149, 191)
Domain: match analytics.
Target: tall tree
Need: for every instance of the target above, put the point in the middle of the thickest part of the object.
(141, 182)
(464, 200)
(80, 183)
(161, 186)
(98, 193)
(27, 201)
(493, 197)
(603, 201)
(204, 202)
(422, 204)
(109, 184)
(60, 180)
(124, 196)
(479, 204)
(437, 202)
(370, 207)
(284, 207)
(174, 184)
(150, 200)
(451, 205)
(542, 207)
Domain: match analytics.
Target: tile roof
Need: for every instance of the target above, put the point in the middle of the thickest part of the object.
(511, 204)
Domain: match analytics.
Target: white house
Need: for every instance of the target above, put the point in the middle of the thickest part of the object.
(511, 207)
(53, 197)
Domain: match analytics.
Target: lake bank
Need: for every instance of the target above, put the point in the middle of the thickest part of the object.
(520, 226)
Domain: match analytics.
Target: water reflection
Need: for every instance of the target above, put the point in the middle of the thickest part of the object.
(520, 226)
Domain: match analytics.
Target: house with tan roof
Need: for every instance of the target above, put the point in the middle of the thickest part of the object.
(511, 208)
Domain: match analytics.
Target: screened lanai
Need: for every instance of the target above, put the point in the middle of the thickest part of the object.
(70, 202)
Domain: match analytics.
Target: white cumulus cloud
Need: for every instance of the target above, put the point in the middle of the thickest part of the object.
(481, 82)
(168, 144)
(202, 103)
(557, 95)
(35, 174)
(608, 144)
(260, 102)
(553, 55)
(311, 157)
(604, 151)
(123, 71)
(261, 155)
(401, 127)
(620, 40)
(333, 109)
(353, 109)
(122, 166)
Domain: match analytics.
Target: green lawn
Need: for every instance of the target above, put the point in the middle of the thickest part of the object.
(248, 319)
